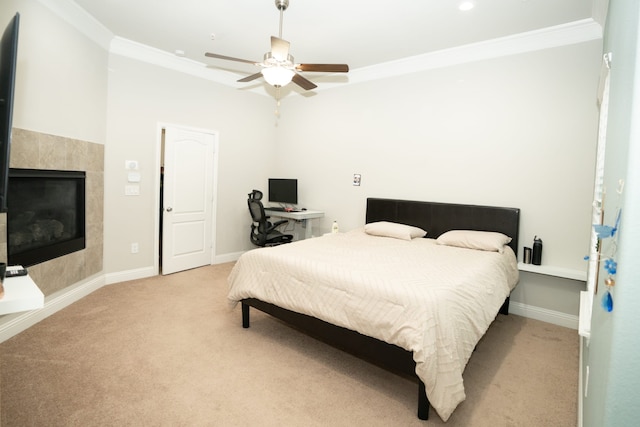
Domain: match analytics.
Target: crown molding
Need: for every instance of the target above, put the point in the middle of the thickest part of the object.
(140, 52)
(581, 31)
(77, 17)
(561, 35)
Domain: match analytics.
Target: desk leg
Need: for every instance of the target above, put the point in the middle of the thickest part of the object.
(307, 228)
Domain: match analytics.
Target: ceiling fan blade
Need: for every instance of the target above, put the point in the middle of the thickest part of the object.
(229, 58)
(279, 48)
(325, 68)
(251, 77)
(302, 82)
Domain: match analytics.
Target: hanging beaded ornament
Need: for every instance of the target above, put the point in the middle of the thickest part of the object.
(610, 265)
(607, 300)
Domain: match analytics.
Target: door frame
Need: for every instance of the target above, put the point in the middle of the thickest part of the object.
(161, 126)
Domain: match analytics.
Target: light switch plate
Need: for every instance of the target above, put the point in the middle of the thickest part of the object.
(133, 177)
(131, 190)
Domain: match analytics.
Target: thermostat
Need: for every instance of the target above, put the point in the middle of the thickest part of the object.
(131, 164)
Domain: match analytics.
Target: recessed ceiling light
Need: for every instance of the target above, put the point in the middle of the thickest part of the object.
(466, 5)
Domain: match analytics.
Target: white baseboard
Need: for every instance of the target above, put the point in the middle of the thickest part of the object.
(125, 276)
(231, 257)
(13, 324)
(142, 273)
(549, 316)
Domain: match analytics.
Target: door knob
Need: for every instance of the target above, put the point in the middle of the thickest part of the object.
(169, 209)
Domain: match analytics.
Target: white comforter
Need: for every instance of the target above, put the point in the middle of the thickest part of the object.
(436, 301)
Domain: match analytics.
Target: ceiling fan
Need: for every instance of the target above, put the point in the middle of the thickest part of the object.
(278, 66)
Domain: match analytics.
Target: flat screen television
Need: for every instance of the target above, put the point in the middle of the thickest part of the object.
(283, 190)
(8, 61)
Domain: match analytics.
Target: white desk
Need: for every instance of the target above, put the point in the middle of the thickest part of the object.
(20, 294)
(302, 216)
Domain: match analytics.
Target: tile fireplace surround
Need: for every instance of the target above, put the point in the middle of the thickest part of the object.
(34, 150)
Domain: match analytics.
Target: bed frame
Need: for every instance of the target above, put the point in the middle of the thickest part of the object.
(435, 218)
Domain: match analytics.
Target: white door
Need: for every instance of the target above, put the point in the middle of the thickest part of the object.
(187, 223)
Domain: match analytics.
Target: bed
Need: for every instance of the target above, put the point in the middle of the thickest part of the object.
(347, 290)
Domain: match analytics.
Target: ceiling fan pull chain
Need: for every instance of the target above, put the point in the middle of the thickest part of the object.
(277, 112)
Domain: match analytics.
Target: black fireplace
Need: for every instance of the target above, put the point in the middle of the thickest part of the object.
(46, 215)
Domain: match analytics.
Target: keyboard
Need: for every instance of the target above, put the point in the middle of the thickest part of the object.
(281, 209)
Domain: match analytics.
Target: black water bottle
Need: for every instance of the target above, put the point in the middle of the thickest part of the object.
(536, 258)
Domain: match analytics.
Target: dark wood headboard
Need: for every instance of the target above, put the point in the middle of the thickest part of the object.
(437, 218)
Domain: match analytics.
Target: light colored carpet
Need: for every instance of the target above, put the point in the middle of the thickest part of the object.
(168, 351)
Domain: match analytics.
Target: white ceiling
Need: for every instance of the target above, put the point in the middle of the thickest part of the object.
(360, 33)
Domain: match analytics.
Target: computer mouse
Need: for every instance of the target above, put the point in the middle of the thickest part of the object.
(303, 209)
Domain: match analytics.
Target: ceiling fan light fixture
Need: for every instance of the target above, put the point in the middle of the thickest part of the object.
(278, 76)
(278, 66)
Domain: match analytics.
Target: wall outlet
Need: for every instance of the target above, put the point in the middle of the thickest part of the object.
(134, 248)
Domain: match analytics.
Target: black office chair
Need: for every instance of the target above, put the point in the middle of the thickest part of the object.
(263, 232)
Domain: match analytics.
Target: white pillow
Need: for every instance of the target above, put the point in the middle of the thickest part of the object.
(393, 229)
(483, 240)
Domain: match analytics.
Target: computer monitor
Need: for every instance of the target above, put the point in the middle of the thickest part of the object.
(283, 190)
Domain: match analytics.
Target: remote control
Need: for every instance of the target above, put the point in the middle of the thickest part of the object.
(15, 270)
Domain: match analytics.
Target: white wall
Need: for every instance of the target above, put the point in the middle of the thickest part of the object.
(514, 131)
(61, 86)
(470, 133)
(140, 97)
(611, 355)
